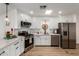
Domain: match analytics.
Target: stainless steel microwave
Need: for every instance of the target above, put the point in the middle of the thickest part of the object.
(25, 24)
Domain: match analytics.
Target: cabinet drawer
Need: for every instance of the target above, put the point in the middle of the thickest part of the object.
(22, 45)
(22, 42)
(22, 49)
(4, 52)
(15, 48)
(16, 43)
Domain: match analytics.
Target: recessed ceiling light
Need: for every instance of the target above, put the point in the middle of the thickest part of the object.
(48, 12)
(31, 12)
(60, 12)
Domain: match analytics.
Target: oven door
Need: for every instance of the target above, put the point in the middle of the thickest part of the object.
(26, 43)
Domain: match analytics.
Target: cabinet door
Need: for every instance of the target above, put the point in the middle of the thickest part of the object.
(12, 50)
(37, 40)
(45, 40)
(42, 40)
(48, 40)
(22, 45)
(15, 48)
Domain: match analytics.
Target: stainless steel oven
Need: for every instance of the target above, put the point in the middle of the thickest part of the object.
(29, 40)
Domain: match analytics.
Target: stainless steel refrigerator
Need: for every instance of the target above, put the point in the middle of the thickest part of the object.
(68, 35)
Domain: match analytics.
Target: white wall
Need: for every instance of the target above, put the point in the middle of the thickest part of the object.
(2, 26)
(51, 21)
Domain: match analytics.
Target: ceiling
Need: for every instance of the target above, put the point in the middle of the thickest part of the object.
(66, 8)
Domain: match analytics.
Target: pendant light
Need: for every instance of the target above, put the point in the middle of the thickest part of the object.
(6, 18)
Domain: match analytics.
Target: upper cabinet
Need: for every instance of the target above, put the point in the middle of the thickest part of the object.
(16, 17)
(68, 18)
(13, 18)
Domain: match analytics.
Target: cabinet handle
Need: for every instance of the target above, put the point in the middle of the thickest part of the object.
(21, 40)
(2, 52)
(17, 47)
(16, 43)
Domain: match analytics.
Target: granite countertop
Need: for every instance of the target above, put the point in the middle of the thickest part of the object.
(4, 43)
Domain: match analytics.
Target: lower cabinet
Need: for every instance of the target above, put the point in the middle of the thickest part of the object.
(45, 40)
(42, 40)
(4, 52)
(37, 40)
(18, 47)
(14, 49)
(22, 45)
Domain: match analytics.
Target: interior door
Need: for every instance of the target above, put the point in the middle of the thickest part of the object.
(64, 35)
(72, 35)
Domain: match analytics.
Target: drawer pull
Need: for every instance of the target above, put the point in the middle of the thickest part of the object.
(16, 43)
(2, 52)
(17, 47)
(21, 40)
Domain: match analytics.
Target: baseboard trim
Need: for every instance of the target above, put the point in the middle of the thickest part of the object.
(42, 45)
(54, 45)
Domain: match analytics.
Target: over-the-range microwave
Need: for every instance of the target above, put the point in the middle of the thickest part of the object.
(25, 24)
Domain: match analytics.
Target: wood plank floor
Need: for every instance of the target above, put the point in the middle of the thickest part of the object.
(52, 51)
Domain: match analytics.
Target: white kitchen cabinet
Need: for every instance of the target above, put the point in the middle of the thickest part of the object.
(16, 17)
(48, 41)
(4, 51)
(15, 48)
(13, 18)
(45, 40)
(42, 40)
(22, 45)
(37, 40)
